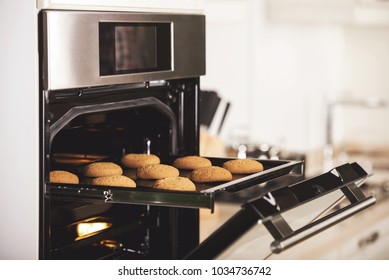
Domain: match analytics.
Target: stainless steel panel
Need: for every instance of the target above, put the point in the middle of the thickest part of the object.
(71, 48)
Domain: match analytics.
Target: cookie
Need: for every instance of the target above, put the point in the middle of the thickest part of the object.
(100, 169)
(139, 160)
(114, 180)
(175, 184)
(157, 171)
(130, 173)
(211, 174)
(64, 177)
(191, 162)
(243, 166)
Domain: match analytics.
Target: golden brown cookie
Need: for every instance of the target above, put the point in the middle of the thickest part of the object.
(139, 160)
(100, 169)
(130, 173)
(191, 162)
(243, 166)
(157, 171)
(64, 177)
(114, 180)
(175, 184)
(211, 174)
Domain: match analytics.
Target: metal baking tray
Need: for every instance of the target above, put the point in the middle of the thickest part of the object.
(143, 194)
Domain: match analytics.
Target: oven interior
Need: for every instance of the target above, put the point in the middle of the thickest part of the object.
(102, 125)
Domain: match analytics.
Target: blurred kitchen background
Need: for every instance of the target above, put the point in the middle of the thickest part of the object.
(302, 79)
(300, 75)
(289, 79)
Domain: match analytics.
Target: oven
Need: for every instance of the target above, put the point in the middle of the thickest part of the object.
(113, 83)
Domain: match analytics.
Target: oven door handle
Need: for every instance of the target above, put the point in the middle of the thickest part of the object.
(322, 224)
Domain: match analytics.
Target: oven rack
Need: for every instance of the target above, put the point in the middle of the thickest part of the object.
(203, 197)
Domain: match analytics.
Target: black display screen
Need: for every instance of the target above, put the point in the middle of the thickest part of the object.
(134, 47)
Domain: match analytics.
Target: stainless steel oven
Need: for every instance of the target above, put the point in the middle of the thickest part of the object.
(113, 83)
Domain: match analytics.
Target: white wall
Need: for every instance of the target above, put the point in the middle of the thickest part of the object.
(279, 74)
(275, 75)
(365, 75)
(19, 165)
(295, 67)
(228, 59)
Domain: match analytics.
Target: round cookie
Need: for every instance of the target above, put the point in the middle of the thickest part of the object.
(64, 177)
(130, 173)
(139, 160)
(175, 184)
(114, 180)
(157, 171)
(191, 162)
(243, 166)
(100, 169)
(211, 174)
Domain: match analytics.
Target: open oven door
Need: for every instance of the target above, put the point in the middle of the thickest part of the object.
(269, 207)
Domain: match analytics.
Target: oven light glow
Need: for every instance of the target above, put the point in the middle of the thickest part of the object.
(88, 229)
